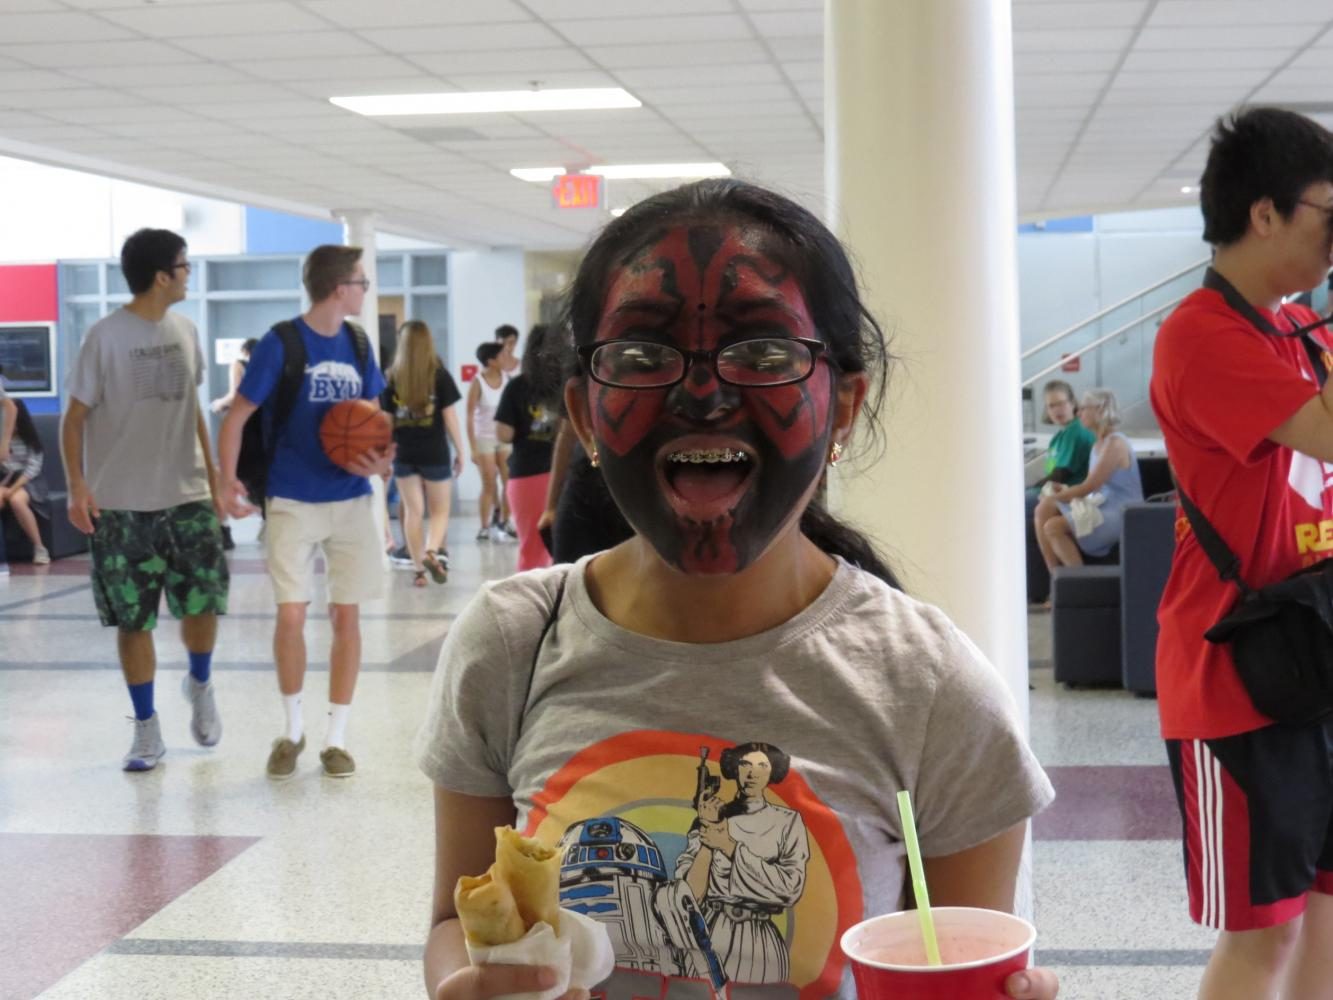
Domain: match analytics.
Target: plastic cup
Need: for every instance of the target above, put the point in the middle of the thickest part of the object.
(980, 949)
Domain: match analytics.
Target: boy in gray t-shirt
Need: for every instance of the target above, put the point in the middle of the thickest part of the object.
(141, 475)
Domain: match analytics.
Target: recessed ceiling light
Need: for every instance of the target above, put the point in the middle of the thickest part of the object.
(1187, 190)
(630, 171)
(491, 101)
(618, 212)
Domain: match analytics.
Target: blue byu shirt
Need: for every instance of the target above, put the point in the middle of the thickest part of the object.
(301, 470)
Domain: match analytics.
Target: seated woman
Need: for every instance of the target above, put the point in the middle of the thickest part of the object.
(1114, 477)
(712, 718)
(22, 488)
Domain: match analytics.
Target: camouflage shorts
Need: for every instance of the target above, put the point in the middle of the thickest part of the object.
(138, 554)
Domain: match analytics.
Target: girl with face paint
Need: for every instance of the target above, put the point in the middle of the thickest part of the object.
(721, 359)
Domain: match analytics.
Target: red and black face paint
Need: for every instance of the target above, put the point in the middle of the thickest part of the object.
(708, 472)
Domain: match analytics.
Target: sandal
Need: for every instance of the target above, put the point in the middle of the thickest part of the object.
(419, 578)
(437, 572)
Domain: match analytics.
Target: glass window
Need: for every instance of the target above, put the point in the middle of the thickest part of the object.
(389, 271)
(434, 310)
(432, 270)
(248, 319)
(253, 275)
(115, 281)
(83, 279)
(188, 308)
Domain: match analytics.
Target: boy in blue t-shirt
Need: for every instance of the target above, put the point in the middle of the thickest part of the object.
(312, 503)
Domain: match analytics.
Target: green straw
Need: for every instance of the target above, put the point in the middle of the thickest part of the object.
(918, 879)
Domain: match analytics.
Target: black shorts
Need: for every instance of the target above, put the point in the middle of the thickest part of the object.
(1257, 810)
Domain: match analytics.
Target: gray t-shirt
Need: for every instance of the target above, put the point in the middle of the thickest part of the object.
(728, 810)
(139, 379)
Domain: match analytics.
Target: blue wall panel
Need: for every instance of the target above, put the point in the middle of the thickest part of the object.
(278, 232)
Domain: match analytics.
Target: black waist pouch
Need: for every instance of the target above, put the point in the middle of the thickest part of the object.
(1281, 638)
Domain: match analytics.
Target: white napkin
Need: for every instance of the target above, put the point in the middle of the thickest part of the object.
(1085, 515)
(581, 954)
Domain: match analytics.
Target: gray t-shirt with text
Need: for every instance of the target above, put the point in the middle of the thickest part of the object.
(139, 380)
(728, 810)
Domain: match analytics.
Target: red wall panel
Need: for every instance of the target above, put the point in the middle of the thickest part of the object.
(28, 293)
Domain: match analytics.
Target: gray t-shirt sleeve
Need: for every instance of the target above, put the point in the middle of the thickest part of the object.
(481, 682)
(85, 378)
(977, 776)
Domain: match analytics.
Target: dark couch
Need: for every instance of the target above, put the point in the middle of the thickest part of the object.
(59, 536)
(1104, 618)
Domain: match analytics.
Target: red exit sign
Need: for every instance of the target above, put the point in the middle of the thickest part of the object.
(577, 191)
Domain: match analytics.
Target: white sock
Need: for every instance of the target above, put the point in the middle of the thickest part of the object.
(337, 736)
(295, 724)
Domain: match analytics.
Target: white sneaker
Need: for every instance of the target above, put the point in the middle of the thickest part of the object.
(205, 723)
(498, 534)
(147, 748)
(40, 557)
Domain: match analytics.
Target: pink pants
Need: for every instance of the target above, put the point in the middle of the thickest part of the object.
(527, 500)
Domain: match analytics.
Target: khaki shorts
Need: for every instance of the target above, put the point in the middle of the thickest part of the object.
(344, 530)
(492, 446)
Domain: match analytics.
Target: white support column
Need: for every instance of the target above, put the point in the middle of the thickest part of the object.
(920, 182)
(359, 231)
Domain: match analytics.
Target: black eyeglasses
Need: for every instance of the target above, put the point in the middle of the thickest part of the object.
(363, 282)
(1326, 209)
(762, 362)
(176, 267)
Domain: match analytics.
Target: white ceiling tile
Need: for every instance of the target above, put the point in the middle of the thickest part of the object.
(519, 80)
(665, 97)
(803, 72)
(319, 68)
(1067, 62)
(22, 119)
(72, 98)
(721, 76)
(154, 75)
(1236, 79)
(337, 87)
(464, 38)
(81, 54)
(298, 109)
(1070, 40)
(100, 117)
(1166, 60)
(46, 133)
(408, 13)
(502, 61)
(673, 57)
(35, 79)
(231, 18)
(327, 44)
(642, 30)
(789, 24)
(71, 26)
(1103, 14)
(213, 93)
(1207, 36)
(561, 10)
(1191, 13)
(797, 49)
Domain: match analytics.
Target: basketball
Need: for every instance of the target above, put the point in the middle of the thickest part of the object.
(352, 428)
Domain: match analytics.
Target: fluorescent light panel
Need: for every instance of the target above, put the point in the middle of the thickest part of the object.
(492, 101)
(629, 171)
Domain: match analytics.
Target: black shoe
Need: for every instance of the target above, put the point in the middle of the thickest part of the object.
(227, 543)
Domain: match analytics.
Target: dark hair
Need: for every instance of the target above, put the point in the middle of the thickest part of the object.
(250, 344)
(731, 759)
(821, 268)
(326, 267)
(504, 331)
(145, 253)
(488, 352)
(24, 429)
(1260, 153)
(534, 359)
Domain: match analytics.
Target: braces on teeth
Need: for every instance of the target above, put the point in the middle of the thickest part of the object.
(710, 455)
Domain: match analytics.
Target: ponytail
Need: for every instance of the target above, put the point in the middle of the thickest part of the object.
(838, 539)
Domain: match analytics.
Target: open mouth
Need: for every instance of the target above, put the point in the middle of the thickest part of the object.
(704, 483)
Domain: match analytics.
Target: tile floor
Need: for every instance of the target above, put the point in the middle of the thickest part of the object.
(202, 879)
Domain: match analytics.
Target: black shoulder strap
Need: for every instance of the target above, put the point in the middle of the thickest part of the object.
(1313, 349)
(1226, 562)
(361, 344)
(293, 372)
(541, 641)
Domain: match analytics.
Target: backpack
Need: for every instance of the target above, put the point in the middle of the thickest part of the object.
(259, 436)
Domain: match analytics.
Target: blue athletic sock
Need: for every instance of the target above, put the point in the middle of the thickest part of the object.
(142, 696)
(201, 666)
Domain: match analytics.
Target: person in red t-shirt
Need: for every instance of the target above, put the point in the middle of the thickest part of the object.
(1250, 437)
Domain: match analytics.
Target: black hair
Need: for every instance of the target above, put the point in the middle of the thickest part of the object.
(822, 269)
(504, 331)
(488, 352)
(1260, 153)
(147, 252)
(24, 429)
(533, 363)
(731, 759)
(250, 344)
